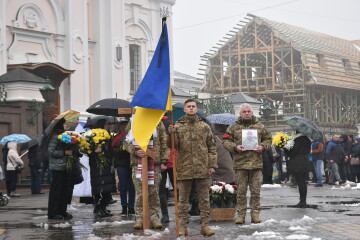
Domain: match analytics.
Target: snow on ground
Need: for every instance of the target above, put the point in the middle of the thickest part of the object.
(114, 223)
(271, 186)
(293, 229)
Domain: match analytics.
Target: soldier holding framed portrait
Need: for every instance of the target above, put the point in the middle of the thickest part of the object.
(246, 139)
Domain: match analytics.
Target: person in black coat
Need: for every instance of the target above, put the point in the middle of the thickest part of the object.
(124, 171)
(5, 151)
(298, 163)
(36, 165)
(268, 162)
(102, 182)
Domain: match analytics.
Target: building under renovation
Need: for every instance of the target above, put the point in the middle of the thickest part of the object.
(291, 70)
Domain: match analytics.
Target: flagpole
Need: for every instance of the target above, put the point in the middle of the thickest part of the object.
(145, 192)
(172, 152)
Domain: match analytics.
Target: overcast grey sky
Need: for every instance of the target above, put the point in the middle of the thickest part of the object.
(200, 24)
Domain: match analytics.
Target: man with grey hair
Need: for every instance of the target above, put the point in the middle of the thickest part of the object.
(248, 164)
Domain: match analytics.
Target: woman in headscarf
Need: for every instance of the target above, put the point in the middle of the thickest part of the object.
(13, 160)
(60, 184)
(102, 181)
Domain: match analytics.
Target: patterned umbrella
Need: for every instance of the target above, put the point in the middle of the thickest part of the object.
(222, 118)
(18, 138)
(305, 126)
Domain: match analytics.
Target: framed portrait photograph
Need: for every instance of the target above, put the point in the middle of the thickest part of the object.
(249, 139)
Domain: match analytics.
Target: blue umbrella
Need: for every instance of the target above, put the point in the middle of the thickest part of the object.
(222, 118)
(18, 138)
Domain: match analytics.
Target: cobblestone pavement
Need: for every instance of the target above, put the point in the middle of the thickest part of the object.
(334, 213)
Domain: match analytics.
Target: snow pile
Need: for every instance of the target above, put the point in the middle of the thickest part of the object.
(41, 217)
(271, 186)
(297, 237)
(149, 234)
(295, 222)
(62, 225)
(43, 225)
(78, 223)
(266, 235)
(93, 237)
(357, 187)
(115, 223)
(351, 205)
(214, 227)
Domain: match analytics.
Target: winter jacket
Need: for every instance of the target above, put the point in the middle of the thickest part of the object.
(196, 147)
(104, 180)
(299, 154)
(35, 157)
(121, 156)
(347, 146)
(318, 152)
(160, 147)
(335, 151)
(356, 150)
(57, 157)
(233, 137)
(13, 158)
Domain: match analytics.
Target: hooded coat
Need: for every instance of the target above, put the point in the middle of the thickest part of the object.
(13, 157)
(102, 181)
(196, 147)
(246, 160)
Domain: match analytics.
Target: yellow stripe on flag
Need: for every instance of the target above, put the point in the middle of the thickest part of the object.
(144, 124)
(169, 101)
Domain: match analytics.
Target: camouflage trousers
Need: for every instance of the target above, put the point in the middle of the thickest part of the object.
(154, 200)
(253, 179)
(202, 186)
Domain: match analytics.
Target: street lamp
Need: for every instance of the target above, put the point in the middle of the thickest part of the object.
(37, 107)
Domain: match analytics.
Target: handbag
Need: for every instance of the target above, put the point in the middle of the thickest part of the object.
(355, 161)
(19, 168)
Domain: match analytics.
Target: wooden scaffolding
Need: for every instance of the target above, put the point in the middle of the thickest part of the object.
(297, 71)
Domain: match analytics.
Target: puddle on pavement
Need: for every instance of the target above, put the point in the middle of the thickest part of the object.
(335, 210)
(353, 214)
(313, 206)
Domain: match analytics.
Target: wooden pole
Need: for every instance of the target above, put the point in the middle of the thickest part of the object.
(145, 193)
(172, 152)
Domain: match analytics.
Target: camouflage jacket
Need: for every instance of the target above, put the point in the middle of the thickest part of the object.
(196, 148)
(233, 137)
(160, 147)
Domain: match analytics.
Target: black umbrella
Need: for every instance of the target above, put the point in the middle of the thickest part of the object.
(34, 141)
(90, 121)
(108, 107)
(305, 126)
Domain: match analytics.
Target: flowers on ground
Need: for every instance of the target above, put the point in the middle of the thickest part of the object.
(222, 195)
(280, 139)
(94, 139)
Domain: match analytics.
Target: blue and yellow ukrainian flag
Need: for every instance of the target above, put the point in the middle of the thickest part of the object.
(153, 96)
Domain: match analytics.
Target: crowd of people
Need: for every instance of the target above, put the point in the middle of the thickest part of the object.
(203, 153)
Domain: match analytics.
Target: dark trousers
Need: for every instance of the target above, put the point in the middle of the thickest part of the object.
(342, 171)
(101, 200)
(302, 185)
(11, 177)
(267, 172)
(126, 186)
(7, 182)
(162, 189)
(35, 180)
(58, 195)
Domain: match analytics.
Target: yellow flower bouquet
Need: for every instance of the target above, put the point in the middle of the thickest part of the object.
(280, 139)
(91, 140)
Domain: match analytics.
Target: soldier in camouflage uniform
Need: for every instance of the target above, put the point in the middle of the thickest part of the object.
(197, 160)
(248, 164)
(161, 152)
